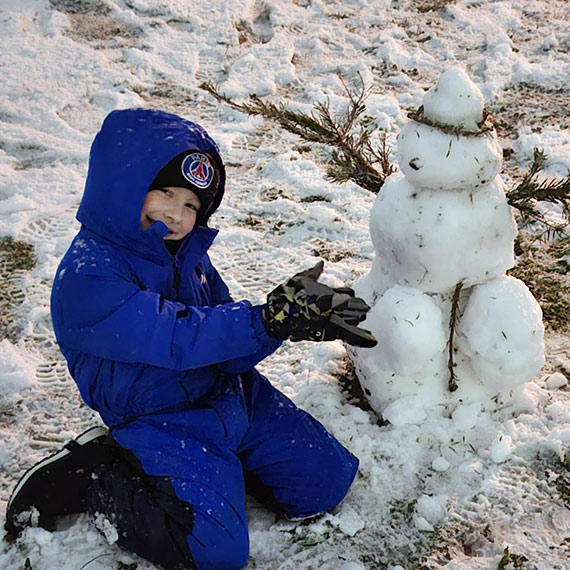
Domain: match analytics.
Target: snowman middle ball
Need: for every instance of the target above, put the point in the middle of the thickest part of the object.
(433, 240)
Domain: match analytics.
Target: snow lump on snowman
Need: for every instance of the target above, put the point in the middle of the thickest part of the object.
(442, 229)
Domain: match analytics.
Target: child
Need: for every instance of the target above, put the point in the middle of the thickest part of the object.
(160, 350)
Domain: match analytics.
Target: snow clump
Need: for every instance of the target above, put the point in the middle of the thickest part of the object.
(15, 372)
(440, 102)
(498, 331)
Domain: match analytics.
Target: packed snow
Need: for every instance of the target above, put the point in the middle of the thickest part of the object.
(501, 330)
(452, 489)
(435, 160)
(431, 242)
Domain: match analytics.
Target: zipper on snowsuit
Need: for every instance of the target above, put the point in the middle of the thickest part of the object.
(177, 277)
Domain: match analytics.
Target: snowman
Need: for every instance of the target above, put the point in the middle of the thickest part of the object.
(452, 328)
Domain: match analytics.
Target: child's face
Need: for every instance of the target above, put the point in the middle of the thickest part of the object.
(173, 206)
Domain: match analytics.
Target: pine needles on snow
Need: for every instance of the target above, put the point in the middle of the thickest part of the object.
(525, 196)
(485, 126)
(354, 156)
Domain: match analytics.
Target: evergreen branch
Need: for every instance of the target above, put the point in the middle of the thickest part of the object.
(353, 158)
(485, 126)
(383, 157)
(355, 109)
(550, 231)
(452, 384)
(529, 191)
(345, 167)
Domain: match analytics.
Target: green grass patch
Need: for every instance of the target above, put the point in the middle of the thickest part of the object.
(15, 257)
(545, 268)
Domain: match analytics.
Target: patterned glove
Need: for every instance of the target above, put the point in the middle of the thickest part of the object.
(304, 309)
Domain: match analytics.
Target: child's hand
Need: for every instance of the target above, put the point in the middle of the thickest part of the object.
(304, 309)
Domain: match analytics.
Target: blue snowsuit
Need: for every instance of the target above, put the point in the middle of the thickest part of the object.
(160, 350)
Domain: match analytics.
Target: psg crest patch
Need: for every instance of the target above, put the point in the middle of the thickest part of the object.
(198, 170)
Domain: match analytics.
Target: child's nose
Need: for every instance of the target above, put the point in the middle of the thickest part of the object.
(175, 214)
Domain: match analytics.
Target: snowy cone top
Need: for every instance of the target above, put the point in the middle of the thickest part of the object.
(455, 101)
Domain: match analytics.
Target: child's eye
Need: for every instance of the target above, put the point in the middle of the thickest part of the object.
(165, 191)
(192, 206)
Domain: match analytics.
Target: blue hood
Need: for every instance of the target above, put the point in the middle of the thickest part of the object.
(126, 155)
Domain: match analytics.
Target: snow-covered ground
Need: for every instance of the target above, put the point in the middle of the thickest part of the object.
(450, 493)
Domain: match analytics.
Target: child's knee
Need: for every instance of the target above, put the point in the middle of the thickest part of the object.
(219, 547)
(334, 483)
(344, 480)
(322, 489)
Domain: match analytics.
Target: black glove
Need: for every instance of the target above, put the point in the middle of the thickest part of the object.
(304, 309)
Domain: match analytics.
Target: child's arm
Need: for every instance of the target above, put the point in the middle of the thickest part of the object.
(245, 363)
(101, 311)
(220, 294)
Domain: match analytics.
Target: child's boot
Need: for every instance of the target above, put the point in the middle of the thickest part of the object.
(58, 485)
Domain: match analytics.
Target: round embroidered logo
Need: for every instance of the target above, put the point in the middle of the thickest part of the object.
(197, 169)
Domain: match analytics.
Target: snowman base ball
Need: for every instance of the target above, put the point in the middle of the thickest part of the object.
(502, 332)
(490, 369)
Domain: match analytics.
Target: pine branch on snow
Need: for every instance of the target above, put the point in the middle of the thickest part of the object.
(525, 196)
(354, 156)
